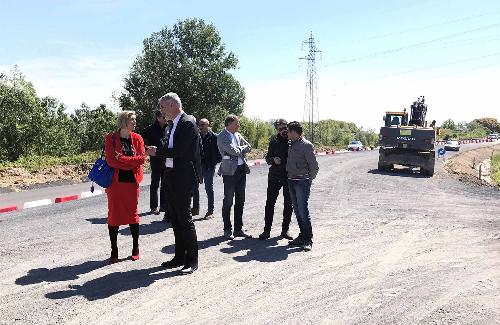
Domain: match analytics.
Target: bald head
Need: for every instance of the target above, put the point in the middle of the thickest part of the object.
(204, 126)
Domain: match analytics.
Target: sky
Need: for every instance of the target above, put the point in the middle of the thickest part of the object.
(375, 55)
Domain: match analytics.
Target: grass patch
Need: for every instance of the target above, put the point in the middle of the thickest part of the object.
(495, 168)
(33, 163)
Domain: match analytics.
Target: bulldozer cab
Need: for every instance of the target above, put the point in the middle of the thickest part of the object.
(396, 118)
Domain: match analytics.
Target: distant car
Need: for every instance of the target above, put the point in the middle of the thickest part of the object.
(493, 136)
(452, 145)
(355, 146)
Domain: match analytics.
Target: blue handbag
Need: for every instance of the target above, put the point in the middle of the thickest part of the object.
(101, 173)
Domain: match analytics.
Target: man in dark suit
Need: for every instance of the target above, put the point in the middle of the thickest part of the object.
(152, 135)
(181, 151)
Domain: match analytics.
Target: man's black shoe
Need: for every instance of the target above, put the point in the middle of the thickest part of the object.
(173, 263)
(265, 235)
(188, 269)
(286, 235)
(297, 242)
(241, 233)
(307, 246)
(209, 215)
(228, 234)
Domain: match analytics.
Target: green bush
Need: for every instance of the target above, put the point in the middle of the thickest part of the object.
(463, 130)
(495, 168)
(256, 132)
(338, 134)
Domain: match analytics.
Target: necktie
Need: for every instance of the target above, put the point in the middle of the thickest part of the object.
(168, 131)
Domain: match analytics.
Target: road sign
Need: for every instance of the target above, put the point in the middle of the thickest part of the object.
(441, 152)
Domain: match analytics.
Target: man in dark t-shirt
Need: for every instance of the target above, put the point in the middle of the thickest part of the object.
(276, 157)
(153, 135)
(210, 157)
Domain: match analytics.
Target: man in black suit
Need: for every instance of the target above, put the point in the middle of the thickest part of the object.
(181, 151)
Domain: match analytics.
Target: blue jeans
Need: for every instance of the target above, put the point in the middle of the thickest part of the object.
(208, 180)
(299, 193)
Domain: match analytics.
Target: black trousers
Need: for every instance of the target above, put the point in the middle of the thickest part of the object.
(157, 171)
(234, 187)
(273, 190)
(179, 183)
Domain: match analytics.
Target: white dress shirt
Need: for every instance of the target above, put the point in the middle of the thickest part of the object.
(169, 162)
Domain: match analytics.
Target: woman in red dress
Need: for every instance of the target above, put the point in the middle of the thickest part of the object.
(125, 153)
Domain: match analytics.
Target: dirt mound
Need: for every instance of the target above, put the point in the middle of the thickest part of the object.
(17, 179)
(466, 164)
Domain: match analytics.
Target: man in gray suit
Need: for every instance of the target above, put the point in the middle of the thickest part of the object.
(234, 169)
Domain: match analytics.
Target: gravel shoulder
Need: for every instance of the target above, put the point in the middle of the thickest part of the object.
(389, 248)
(466, 165)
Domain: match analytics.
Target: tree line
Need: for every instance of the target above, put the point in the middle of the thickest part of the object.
(478, 128)
(35, 126)
(188, 58)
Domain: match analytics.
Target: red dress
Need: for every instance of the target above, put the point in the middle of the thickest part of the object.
(123, 197)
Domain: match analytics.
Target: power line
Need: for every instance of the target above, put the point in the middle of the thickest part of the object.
(411, 30)
(441, 65)
(406, 47)
(311, 96)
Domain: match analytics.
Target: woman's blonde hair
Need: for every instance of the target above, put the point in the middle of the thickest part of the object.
(123, 118)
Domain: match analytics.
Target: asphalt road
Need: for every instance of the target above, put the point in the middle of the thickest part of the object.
(389, 248)
(51, 191)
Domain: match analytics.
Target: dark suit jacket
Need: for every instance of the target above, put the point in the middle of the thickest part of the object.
(152, 136)
(186, 150)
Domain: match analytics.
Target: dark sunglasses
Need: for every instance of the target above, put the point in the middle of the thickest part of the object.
(283, 128)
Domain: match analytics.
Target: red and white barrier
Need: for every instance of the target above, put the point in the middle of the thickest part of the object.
(43, 202)
(8, 208)
(467, 141)
(66, 198)
(37, 203)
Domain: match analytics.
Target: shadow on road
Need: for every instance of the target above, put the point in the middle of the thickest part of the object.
(152, 228)
(148, 229)
(98, 221)
(399, 172)
(63, 273)
(203, 244)
(112, 284)
(259, 250)
(103, 221)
